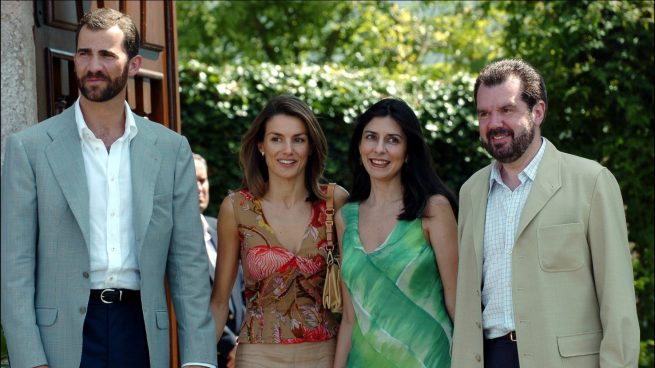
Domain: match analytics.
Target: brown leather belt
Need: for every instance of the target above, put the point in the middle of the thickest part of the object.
(510, 336)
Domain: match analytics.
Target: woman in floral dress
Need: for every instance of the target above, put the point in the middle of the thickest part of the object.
(275, 225)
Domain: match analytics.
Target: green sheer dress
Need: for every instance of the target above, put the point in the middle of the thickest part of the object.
(400, 314)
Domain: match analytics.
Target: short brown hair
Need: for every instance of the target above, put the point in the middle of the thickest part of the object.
(105, 18)
(253, 165)
(533, 87)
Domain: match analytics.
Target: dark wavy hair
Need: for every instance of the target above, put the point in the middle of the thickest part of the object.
(418, 178)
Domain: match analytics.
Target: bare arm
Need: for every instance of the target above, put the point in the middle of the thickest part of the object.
(440, 227)
(345, 329)
(227, 264)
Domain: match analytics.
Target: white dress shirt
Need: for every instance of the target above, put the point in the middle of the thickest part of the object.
(114, 262)
(504, 208)
(210, 246)
(113, 257)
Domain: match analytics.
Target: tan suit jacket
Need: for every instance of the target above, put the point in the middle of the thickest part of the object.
(572, 285)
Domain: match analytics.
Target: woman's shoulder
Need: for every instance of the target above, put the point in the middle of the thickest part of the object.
(240, 198)
(438, 200)
(436, 206)
(337, 188)
(241, 193)
(438, 209)
(340, 194)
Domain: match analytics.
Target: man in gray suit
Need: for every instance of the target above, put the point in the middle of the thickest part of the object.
(227, 344)
(99, 206)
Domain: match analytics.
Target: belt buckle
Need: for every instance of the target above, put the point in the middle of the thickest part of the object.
(512, 336)
(102, 296)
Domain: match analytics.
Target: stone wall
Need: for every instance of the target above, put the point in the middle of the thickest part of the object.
(19, 108)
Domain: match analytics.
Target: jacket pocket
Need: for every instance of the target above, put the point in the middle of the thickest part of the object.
(561, 247)
(579, 344)
(162, 319)
(46, 316)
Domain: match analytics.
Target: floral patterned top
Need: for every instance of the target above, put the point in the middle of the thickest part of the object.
(283, 290)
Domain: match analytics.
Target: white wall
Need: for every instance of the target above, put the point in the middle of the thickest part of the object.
(18, 68)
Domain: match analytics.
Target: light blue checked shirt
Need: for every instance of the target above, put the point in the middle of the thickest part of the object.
(504, 208)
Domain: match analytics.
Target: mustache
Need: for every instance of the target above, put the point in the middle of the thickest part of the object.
(496, 131)
(97, 74)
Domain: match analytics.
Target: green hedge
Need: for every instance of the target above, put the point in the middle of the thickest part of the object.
(597, 58)
(219, 103)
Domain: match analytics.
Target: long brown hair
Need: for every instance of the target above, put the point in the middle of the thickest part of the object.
(253, 165)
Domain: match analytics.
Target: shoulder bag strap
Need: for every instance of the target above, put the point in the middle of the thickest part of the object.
(329, 216)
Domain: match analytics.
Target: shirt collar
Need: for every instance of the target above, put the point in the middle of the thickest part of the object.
(205, 225)
(130, 124)
(529, 172)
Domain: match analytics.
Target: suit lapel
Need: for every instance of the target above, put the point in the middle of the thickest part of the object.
(64, 155)
(145, 162)
(479, 210)
(546, 184)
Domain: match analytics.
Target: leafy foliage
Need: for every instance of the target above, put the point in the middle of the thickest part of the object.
(597, 59)
(339, 57)
(218, 104)
(393, 36)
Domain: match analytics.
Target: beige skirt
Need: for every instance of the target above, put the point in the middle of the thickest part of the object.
(302, 355)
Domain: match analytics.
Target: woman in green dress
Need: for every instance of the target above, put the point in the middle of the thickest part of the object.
(398, 237)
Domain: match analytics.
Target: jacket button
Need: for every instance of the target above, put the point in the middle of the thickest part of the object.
(478, 357)
(477, 323)
(85, 275)
(82, 310)
(231, 316)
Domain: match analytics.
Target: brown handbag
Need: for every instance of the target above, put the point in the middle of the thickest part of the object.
(332, 287)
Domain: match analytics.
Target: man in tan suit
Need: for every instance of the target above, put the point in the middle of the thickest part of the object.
(545, 274)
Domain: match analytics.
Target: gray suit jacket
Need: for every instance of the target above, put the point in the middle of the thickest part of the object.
(45, 244)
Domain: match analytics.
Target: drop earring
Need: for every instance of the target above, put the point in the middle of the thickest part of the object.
(262, 153)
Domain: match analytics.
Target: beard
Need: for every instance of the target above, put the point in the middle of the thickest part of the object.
(98, 93)
(509, 152)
